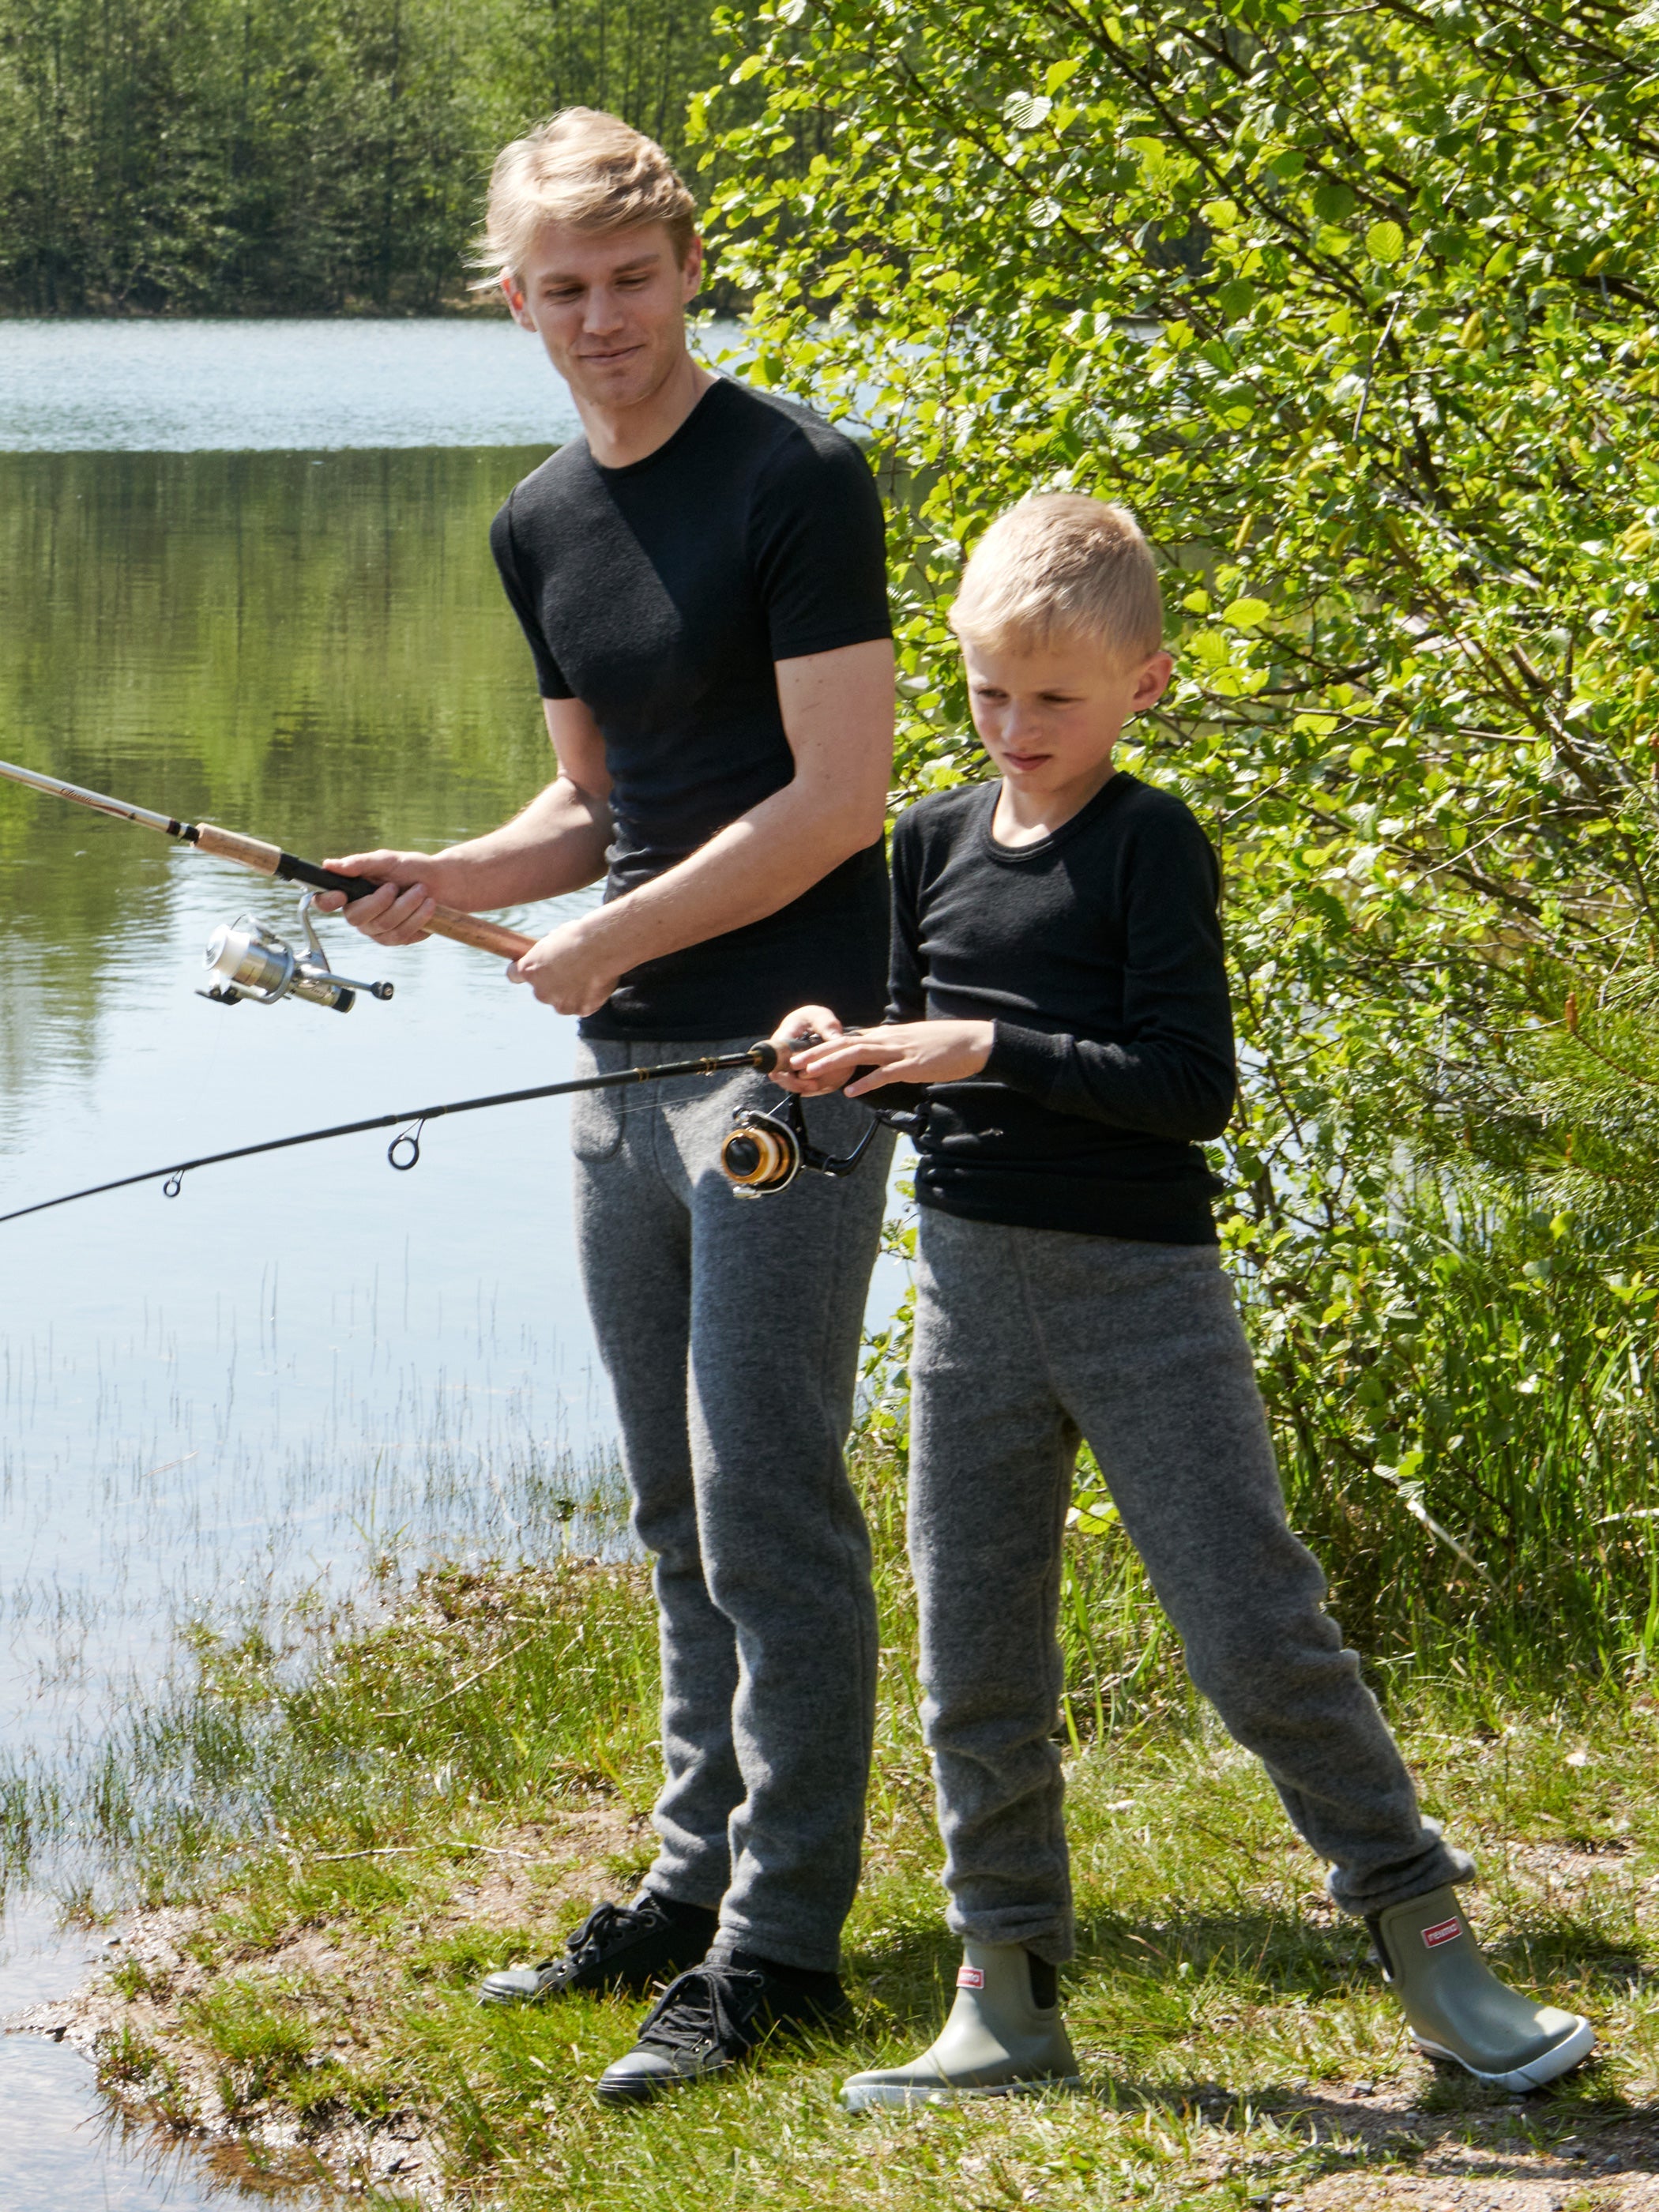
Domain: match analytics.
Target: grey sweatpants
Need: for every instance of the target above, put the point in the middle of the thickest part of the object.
(730, 1329)
(1027, 1339)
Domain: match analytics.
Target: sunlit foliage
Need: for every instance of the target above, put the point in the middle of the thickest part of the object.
(1357, 309)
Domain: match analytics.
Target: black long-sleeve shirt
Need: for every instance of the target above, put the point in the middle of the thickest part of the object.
(1097, 954)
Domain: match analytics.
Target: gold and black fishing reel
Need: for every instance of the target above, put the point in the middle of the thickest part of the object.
(251, 962)
(765, 1151)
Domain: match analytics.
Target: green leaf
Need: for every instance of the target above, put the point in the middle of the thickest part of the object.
(1062, 72)
(1246, 614)
(1026, 110)
(1385, 241)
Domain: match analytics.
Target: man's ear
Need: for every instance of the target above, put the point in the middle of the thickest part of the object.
(516, 299)
(691, 269)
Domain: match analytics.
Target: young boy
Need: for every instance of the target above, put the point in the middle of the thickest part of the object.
(1057, 987)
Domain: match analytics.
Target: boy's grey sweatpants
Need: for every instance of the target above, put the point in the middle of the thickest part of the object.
(730, 1329)
(1026, 1340)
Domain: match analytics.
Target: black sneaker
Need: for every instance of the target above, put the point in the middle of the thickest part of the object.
(618, 1947)
(715, 2017)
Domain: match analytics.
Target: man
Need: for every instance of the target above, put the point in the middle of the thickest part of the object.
(701, 579)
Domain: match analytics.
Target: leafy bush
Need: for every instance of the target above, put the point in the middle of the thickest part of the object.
(1356, 310)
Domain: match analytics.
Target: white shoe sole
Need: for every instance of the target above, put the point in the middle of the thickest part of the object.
(1560, 2058)
(871, 2096)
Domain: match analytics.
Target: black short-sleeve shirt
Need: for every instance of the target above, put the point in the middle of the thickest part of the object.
(661, 594)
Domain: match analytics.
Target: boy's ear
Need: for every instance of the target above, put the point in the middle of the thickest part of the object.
(1153, 681)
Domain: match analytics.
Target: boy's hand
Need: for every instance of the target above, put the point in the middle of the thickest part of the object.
(905, 1052)
(785, 1041)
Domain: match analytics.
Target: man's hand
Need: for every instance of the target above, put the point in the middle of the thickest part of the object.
(565, 971)
(411, 885)
(905, 1052)
(785, 1041)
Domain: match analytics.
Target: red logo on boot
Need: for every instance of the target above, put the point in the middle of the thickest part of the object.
(1443, 1931)
(971, 1977)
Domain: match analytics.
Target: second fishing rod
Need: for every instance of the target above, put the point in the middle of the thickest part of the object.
(762, 1152)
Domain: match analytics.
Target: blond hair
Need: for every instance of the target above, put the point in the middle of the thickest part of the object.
(585, 168)
(1061, 566)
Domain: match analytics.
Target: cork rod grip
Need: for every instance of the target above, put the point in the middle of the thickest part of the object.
(230, 845)
(483, 936)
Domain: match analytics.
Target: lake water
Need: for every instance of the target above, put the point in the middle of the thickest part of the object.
(294, 630)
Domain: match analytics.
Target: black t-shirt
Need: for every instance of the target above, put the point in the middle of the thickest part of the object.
(1097, 954)
(661, 594)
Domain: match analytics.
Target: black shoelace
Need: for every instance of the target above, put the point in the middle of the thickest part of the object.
(710, 2007)
(603, 1925)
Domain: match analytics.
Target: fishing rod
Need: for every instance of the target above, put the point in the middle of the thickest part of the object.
(403, 1151)
(250, 961)
(761, 1152)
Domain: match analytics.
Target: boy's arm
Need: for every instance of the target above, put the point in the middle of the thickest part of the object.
(908, 1052)
(907, 995)
(1177, 1077)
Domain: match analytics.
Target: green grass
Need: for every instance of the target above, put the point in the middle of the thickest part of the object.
(445, 1787)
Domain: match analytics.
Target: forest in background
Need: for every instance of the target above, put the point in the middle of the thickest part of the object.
(294, 156)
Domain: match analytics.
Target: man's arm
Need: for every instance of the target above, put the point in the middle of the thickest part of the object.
(837, 710)
(557, 844)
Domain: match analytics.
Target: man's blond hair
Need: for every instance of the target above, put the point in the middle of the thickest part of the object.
(1057, 568)
(587, 169)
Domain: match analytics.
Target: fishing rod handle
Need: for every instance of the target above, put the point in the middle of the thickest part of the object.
(483, 936)
(270, 861)
(230, 845)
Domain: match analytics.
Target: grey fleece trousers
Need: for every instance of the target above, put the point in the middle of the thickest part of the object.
(1027, 1339)
(730, 1328)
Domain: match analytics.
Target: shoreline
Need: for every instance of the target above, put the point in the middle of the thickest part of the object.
(309, 2014)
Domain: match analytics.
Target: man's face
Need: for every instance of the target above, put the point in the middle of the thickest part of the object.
(610, 309)
(1049, 719)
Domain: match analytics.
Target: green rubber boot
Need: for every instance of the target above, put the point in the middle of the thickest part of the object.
(1000, 2040)
(1457, 2008)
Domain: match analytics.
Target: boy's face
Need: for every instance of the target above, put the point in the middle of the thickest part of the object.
(1049, 719)
(609, 308)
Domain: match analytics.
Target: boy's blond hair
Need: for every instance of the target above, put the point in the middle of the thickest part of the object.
(1060, 567)
(585, 168)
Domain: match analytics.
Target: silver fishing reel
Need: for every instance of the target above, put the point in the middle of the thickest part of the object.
(251, 962)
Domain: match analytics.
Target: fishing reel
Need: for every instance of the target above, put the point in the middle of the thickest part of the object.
(765, 1151)
(251, 962)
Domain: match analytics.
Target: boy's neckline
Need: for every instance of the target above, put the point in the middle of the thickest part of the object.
(1090, 809)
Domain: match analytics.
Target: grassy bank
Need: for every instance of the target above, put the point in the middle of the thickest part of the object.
(334, 1845)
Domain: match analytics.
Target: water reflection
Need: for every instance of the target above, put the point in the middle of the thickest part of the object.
(303, 1362)
(311, 648)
